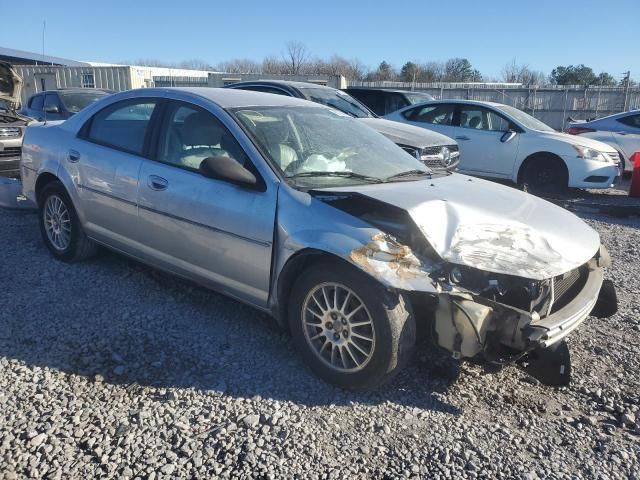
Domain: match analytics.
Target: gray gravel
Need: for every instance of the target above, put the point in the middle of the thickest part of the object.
(110, 369)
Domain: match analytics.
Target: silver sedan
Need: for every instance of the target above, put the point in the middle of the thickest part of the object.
(301, 211)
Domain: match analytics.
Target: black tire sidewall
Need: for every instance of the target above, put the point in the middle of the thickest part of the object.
(531, 178)
(380, 304)
(56, 188)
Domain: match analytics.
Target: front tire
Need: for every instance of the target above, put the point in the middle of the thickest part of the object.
(60, 226)
(545, 175)
(349, 329)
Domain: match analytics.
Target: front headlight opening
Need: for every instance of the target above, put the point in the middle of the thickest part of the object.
(589, 153)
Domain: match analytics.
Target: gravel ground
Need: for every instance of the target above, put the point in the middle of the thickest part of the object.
(110, 369)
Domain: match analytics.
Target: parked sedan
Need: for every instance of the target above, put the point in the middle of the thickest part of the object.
(347, 241)
(60, 104)
(502, 142)
(433, 149)
(383, 101)
(621, 131)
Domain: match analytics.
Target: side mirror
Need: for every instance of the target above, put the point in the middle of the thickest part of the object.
(508, 136)
(226, 168)
(51, 109)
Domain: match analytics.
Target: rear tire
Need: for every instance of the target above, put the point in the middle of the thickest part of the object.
(332, 309)
(544, 174)
(60, 226)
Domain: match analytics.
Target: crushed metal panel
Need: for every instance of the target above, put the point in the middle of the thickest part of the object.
(393, 264)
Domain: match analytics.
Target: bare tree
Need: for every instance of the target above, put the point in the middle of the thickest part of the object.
(195, 64)
(514, 73)
(239, 65)
(296, 56)
(274, 66)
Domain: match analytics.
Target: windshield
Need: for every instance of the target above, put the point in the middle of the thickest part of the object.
(318, 147)
(415, 97)
(337, 99)
(76, 101)
(525, 119)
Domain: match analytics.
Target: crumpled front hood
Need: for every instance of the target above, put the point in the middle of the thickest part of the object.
(408, 135)
(491, 227)
(10, 85)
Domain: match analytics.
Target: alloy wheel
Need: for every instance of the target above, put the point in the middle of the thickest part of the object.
(338, 327)
(57, 223)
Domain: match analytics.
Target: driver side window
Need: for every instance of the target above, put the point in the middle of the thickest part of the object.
(190, 134)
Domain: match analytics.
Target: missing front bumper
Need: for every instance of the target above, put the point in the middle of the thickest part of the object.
(469, 325)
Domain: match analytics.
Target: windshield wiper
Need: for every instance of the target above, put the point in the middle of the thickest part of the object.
(409, 173)
(343, 174)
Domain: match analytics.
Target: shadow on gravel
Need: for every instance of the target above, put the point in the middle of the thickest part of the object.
(116, 321)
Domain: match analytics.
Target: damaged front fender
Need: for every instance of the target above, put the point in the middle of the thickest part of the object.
(307, 223)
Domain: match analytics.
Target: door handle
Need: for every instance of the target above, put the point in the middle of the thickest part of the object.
(463, 138)
(157, 183)
(73, 156)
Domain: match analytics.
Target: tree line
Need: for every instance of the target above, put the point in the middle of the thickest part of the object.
(297, 59)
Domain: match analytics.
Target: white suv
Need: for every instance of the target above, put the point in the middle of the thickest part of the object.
(502, 142)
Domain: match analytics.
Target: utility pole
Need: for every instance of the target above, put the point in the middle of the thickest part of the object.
(627, 84)
(44, 27)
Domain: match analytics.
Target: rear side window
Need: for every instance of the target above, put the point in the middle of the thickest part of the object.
(440, 114)
(122, 125)
(631, 120)
(395, 101)
(372, 99)
(51, 100)
(36, 102)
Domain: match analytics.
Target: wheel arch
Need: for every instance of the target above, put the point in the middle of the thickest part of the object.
(291, 270)
(42, 181)
(541, 154)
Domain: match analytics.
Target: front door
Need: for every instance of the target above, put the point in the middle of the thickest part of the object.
(481, 134)
(210, 230)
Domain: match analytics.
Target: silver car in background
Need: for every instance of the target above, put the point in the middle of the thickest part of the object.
(306, 213)
(621, 131)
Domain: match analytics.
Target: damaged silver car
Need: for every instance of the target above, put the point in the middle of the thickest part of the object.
(301, 211)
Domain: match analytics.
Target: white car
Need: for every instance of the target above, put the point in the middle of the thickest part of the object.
(502, 142)
(621, 131)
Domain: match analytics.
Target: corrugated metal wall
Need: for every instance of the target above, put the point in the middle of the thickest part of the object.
(552, 105)
(51, 77)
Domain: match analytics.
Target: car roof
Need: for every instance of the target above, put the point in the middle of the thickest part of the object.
(480, 103)
(71, 90)
(286, 83)
(229, 97)
(392, 90)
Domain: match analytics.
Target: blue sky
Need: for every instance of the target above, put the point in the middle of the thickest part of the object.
(542, 34)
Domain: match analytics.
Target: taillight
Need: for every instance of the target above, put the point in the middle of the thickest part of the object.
(578, 130)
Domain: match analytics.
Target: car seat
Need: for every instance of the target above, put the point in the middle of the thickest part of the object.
(202, 138)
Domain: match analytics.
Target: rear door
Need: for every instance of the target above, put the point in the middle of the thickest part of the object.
(479, 132)
(106, 159)
(210, 230)
(435, 116)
